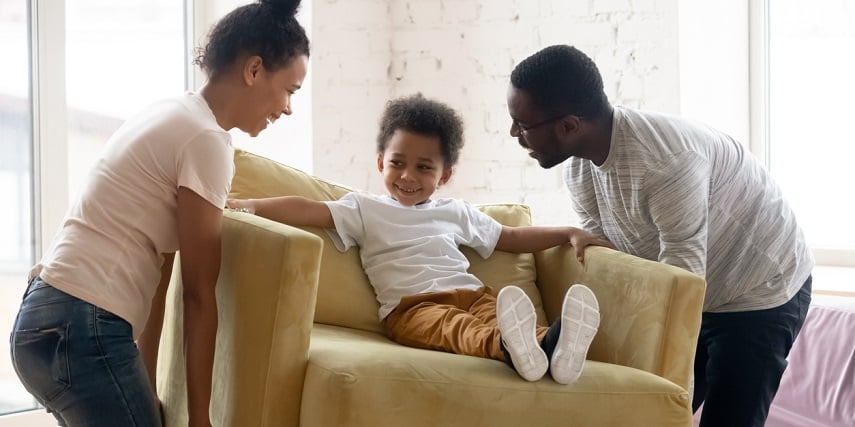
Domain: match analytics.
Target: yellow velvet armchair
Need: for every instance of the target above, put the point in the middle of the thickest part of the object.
(300, 343)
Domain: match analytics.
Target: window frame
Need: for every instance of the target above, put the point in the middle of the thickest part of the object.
(50, 143)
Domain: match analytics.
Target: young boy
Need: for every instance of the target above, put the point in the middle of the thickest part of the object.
(409, 248)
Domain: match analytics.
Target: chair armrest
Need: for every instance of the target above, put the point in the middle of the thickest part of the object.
(266, 295)
(650, 312)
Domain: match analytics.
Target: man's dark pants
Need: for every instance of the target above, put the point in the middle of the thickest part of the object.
(740, 359)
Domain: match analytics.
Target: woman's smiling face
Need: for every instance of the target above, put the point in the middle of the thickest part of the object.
(271, 93)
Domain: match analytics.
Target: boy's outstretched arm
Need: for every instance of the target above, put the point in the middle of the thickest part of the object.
(534, 238)
(291, 210)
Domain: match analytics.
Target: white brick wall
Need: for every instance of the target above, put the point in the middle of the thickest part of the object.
(462, 52)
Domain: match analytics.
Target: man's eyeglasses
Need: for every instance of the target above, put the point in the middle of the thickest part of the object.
(523, 130)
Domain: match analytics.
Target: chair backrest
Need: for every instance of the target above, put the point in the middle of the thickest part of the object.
(345, 297)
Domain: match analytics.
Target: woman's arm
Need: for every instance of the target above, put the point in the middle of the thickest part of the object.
(149, 341)
(199, 240)
(533, 239)
(292, 210)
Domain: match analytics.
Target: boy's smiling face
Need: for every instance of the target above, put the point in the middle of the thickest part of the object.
(412, 167)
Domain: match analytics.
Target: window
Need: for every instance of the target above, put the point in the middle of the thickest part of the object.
(801, 86)
(112, 72)
(104, 57)
(16, 181)
(781, 84)
(73, 72)
(810, 144)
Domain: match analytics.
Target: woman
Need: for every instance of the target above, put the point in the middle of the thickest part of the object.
(159, 186)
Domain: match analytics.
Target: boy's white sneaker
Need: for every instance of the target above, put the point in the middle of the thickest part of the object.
(517, 322)
(580, 318)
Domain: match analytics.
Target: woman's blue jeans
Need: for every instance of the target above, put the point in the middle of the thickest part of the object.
(80, 361)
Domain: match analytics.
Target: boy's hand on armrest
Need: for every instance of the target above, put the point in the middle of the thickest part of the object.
(580, 239)
(527, 239)
(241, 205)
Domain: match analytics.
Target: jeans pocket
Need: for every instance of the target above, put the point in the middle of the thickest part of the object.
(108, 324)
(115, 335)
(40, 357)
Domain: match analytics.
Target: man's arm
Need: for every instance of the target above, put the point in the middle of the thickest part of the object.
(679, 207)
(292, 210)
(532, 239)
(199, 239)
(583, 198)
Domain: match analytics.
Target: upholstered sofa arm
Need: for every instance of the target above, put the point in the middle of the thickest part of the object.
(650, 312)
(266, 297)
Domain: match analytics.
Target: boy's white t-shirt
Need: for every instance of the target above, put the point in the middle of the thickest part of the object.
(109, 249)
(412, 250)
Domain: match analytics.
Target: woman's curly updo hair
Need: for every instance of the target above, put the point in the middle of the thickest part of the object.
(423, 116)
(266, 28)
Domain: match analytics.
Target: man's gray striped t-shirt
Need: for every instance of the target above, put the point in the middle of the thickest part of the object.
(684, 194)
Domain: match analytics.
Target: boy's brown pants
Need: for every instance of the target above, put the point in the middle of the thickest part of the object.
(461, 321)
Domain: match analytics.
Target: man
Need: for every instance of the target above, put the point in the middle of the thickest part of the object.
(667, 189)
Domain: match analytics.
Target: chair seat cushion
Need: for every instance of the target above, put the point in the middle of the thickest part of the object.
(362, 378)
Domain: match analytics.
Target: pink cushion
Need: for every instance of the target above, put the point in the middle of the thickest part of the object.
(818, 387)
(819, 383)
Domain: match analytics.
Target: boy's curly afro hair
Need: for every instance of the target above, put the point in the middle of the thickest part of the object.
(423, 116)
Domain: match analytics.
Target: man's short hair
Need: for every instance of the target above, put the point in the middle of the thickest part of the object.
(562, 79)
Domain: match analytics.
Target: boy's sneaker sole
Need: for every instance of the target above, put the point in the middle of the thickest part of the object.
(517, 322)
(580, 318)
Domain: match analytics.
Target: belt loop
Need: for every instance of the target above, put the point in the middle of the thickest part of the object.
(33, 285)
(27, 289)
